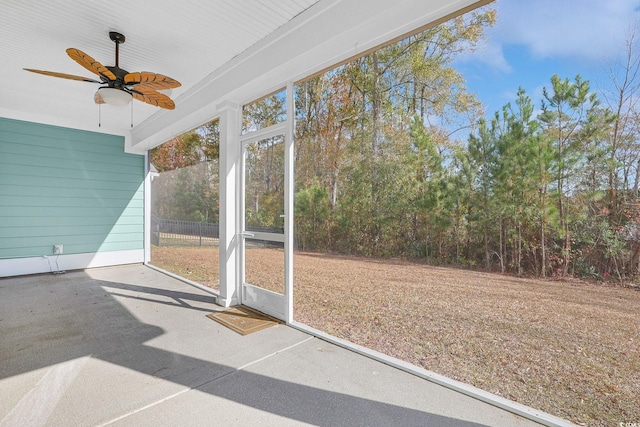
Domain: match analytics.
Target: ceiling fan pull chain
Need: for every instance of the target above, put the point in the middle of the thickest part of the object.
(132, 115)
(99, 115)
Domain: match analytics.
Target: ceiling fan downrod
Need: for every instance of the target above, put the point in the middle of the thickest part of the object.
(117, 39)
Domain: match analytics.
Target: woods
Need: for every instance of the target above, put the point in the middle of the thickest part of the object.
(543, 187)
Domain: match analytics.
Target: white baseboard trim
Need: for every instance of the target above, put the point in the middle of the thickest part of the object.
(52, 263)
(524, 411)
(183, 279)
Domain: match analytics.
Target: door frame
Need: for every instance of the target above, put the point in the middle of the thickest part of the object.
(271, 303)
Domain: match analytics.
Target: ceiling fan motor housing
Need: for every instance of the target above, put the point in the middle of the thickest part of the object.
(119, 81)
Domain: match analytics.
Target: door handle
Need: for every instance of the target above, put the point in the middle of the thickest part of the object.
(247, 234)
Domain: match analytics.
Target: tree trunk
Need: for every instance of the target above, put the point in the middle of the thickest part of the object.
(543, 232)
(635, 259)
(375, 130)
(502, 244)
(487, 254)
(519, 251)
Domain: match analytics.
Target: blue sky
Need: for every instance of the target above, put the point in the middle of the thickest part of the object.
(534, 39)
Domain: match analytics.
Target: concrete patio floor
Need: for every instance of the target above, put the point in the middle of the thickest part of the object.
(130, 346)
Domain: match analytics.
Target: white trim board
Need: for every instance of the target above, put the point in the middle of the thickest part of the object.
(516, 408)
(183, 279)
(52, 263)
(320, 38)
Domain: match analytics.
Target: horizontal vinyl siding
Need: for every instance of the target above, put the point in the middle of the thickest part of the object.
(70, 187)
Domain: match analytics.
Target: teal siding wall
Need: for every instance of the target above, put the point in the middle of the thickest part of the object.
(70, 187)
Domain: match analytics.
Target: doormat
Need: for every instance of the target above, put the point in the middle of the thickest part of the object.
(243, 320)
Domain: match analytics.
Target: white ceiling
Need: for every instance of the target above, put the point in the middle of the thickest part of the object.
(185, 40)
(224, 52)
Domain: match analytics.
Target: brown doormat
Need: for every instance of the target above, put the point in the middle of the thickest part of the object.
(243, 320)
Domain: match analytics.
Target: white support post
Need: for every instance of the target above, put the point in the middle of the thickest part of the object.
(230, 149)
(289, 183)
(147, 208)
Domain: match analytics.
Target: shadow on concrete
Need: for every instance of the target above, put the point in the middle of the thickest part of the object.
(47, 320)
(176, 298)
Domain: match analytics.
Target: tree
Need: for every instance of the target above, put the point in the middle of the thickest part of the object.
(187, 188)
(567, 118)
(311, 212)
(481, 155)
(429, 175)
(624, 152)
(353, 129)
(515, 186)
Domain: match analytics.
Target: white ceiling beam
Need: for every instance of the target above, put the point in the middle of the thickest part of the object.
(327, 34)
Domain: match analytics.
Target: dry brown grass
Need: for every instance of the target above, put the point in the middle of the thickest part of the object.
(199, 264)
(570, 349)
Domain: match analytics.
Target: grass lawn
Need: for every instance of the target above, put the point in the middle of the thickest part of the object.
(569, 348)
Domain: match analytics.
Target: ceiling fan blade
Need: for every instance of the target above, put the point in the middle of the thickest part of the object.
(150, 96)
(89, 63)
(62, 75)
(151, 80)
(98, 98)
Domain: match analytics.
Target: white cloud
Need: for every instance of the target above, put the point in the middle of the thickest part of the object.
(490, 53)
(583, 30)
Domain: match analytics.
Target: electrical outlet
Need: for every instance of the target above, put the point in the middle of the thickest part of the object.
(57, 249)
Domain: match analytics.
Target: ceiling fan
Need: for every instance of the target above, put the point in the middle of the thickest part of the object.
(119, 85)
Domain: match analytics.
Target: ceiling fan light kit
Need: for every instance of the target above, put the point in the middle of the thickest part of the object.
(113, 96)
(120, 86)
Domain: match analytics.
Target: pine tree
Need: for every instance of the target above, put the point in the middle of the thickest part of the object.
(565, 117)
